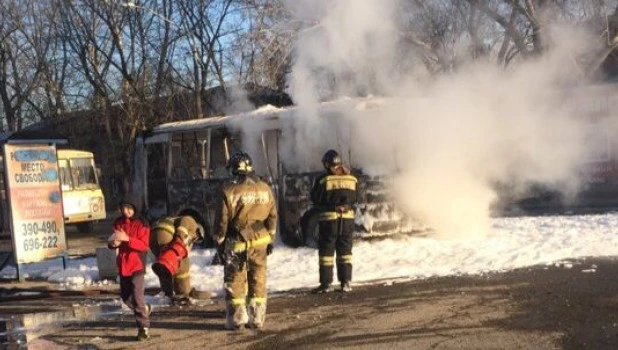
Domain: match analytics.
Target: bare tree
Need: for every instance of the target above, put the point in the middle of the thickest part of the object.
(608, 29)
(444, 33)
(24, 32)
(52, 97)
(525, 23)
(122, 57)
(206, 23)
(262, 54)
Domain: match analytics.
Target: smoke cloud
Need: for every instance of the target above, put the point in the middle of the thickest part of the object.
(445, 142)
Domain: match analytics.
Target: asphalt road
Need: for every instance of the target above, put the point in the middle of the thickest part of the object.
(544, 307)
(79, 243)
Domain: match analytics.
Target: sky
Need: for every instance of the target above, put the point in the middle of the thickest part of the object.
(513, 242)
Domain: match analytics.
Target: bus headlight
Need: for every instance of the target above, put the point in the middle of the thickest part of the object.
(95, 204)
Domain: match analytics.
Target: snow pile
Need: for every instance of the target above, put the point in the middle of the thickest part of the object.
(513, 243)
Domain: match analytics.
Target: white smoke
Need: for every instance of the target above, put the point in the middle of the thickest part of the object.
(446, 142)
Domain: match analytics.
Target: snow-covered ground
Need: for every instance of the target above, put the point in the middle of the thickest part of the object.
(514, 243)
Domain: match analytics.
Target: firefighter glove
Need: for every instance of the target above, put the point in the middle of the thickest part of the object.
(269, 249)
(221, 255)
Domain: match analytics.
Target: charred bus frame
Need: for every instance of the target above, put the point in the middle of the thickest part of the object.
(180, 168)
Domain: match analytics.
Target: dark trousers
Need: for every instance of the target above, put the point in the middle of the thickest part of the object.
(335, 236)
(132, 290)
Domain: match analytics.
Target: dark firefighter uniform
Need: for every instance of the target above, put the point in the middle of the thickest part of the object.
(162, 234)
(246, 229)
(334, 193)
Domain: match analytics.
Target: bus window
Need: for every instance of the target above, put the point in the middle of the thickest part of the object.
(222, 145)
(83, 202)
(186, 156)
(83, 173)
(156, 174)
(65, 175)
(218, 164)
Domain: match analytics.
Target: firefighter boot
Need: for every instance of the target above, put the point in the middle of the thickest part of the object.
(323, 288)
(257, 314)
(235, 316)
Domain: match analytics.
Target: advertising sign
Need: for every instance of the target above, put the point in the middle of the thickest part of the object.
(36, 202)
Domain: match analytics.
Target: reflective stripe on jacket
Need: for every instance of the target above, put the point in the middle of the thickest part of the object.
(334, 194)
(339, 182)
(240, 247)
(334, 215)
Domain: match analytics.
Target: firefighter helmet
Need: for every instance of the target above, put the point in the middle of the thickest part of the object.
(331, 158)
(240, 163)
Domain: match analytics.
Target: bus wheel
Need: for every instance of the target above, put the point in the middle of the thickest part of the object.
(85, 227)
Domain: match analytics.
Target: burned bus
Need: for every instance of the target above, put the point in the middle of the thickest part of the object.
(181, 166)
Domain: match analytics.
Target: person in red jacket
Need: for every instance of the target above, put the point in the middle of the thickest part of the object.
(130, 236)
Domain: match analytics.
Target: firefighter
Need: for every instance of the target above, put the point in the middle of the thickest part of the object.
(333, 194)
(176, 286)
(245, 231)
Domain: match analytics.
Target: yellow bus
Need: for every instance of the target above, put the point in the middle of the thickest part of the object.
(82, 197)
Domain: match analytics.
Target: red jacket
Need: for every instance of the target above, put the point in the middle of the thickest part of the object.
(132, 254)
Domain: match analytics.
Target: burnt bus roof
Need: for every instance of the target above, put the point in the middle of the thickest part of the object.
(267, 112)
(261, 115)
